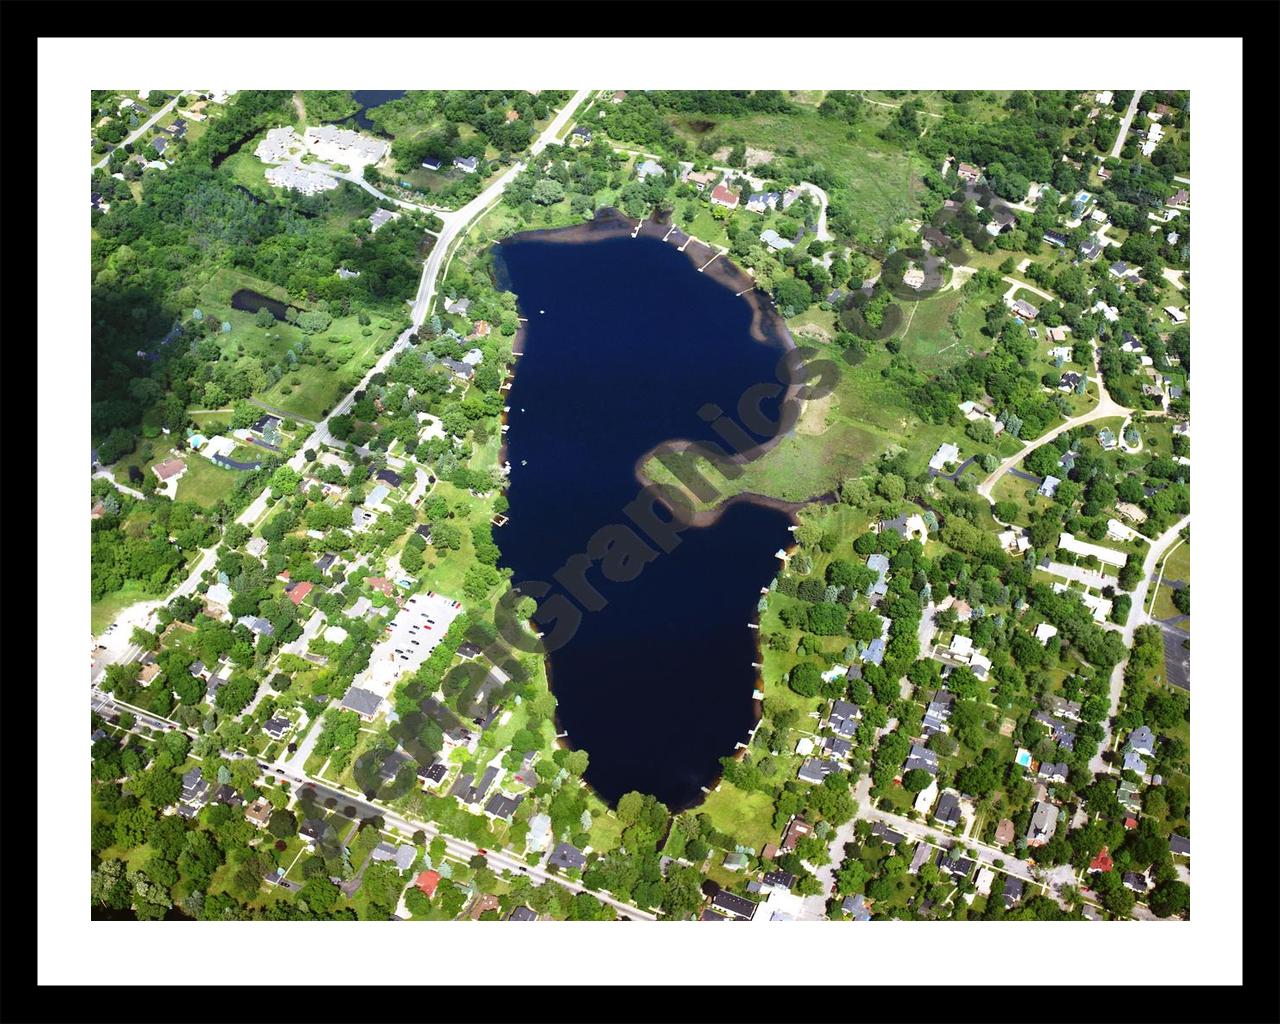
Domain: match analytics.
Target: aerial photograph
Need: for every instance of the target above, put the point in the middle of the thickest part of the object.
(625, 504)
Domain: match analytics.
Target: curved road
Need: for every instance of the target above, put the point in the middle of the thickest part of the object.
(455, 224)
(1105, 408)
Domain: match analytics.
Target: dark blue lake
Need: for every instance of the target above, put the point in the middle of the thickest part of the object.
(625, 342)
(370, 98)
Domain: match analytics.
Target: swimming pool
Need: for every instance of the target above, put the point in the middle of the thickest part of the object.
(1023, 758)
(196, 441)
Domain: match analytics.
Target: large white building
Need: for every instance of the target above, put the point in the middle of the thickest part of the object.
(345, 147)
(279, 145)
(300, 179)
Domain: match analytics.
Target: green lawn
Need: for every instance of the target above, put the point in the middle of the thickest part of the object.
(748, 817)
(880, 182)
(204, 483)
(104, 610)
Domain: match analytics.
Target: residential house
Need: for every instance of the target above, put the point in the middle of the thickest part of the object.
(1004, 832)
(947, 452)
(947, 813)
(1053, 772)
(427, 881)
(815, 770)
(566, 856)
(277, 727)
(522, 913)
(937, 713)
(1024, 309)
(256, 625)
(879, 564)
(735, 906)
(758, 202)
(258, 813)
(969, 173)
(735, 861)
(856, 907)
(797, 829)
(579, 136)
(908, 527)
(364, 703)
(774, 241)
(1048, 487)
(466, 164)
(649, 168)
(1012, 892)
(721, 195)
(1044, 822)
(502, 806)
(432, 163)
(1138, 883)
(1106, 439)
(922, 853)
(887, 834)
(1056, 238)
(380, 217)
(843, 718)
(701, 179)
(1179, 846)
(922, 758)
(1142, 740)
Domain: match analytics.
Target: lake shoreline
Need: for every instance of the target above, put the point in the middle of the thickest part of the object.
(765, 328)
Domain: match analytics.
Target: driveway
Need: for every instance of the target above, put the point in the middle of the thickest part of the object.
(1089, 577)
(1125, 122)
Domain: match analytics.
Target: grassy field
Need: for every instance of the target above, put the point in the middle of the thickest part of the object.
(928, 339)
(101, 612)
(863, 417)
(308, 389)
(748, 817)
(204, 483)
(880, 181)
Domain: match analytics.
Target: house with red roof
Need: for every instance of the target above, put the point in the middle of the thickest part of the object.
(381, 583)
(723, 196)
(481, 329)
(1102, 862)
(427, 882)
(298, 591)
(1131, 823)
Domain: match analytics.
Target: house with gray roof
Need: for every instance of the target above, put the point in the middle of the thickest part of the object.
(565, 855)
(887, 834)
(502, 806)
(195, 788)
(364, 703)
(1179, 846)
(815, 770)
(947, 813)
(922, 758)
(922, 853)
(466, 164)
(880, 564)
(843, 718)
(774, 241)
(257, 626)
(1044, 822)
(276, 727)
(1012, 892)
(1143, 740)
(647, 168)
(856, 907)
(735, 906)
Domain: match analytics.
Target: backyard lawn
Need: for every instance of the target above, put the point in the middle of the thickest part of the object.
(204, 483)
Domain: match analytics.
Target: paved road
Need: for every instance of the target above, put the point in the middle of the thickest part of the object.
(142, 128)
(1125, 122)
(1105, 408)
(1016, 284)
(1137, 617)
(1089, 577)
(105, 474)
(455, 224)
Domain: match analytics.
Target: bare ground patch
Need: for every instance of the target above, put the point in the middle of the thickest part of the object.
(813, 417)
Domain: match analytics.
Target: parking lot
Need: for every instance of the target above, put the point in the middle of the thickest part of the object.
(411, 636)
